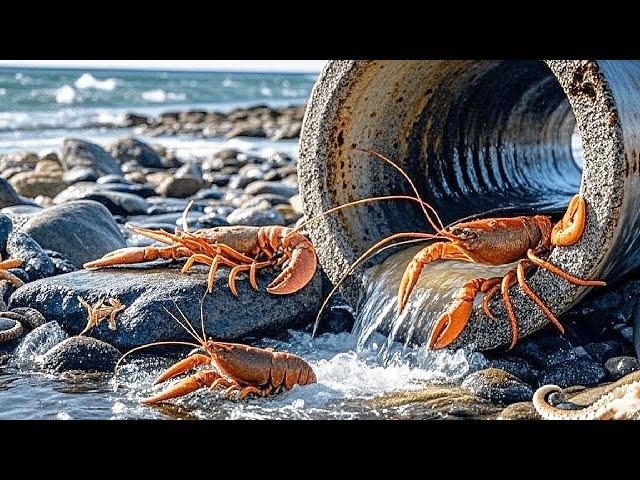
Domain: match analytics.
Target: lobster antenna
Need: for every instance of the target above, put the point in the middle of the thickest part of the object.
(353, 203)
(413, 187)
(185, 226)
(142, 347)
(186, 325)
(362, 258)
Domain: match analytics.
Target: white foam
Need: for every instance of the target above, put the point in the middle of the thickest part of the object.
(3, 91)
(65, 94)
(156, 96)
(266, 91)
(86, 80)
(64, 416)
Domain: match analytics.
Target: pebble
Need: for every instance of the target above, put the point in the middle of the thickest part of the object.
(83, 354)
(260, 215)
(180, 187)
(618, 367)
(36, 264)
(498, 386)
(277, 188)
(579, 371)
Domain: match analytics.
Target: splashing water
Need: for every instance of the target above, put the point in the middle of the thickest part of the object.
(430, 298)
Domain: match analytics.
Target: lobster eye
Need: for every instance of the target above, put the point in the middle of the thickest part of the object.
(464, 233)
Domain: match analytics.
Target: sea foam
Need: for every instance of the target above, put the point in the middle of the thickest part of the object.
(65, 94)
(86, 81)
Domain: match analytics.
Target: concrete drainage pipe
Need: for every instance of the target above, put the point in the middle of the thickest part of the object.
(477, 136)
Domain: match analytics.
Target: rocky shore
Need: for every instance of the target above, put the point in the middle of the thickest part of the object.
(58, 212)
(260, 121)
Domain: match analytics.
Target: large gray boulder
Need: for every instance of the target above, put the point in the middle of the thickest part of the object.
(81, 230)
(145, 291)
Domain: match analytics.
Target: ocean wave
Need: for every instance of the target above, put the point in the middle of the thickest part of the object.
(65, 94)
(160, 96)
(86, 81)
(266, 91)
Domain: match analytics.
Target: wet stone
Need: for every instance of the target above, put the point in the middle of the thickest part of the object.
(574, 372)
(498, 386)
(36, 263)
(77, 153)
(81, 353)
(6, 226)
(618, 367)
(9, 197)
(603, 351)
(36, 343)
(145, 291)
(517, 367)
(80, 174)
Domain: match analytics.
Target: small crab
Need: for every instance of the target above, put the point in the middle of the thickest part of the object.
(99, 312)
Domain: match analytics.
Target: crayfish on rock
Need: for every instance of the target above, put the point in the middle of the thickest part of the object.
(240, 248)
(527, 240)
(233, 366)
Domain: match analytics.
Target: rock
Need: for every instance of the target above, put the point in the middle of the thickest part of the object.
(61, 264)
(129, 148)
(80, 174)
(77, 153)
(627, 334)
(211, 193)
(517, 367)
(211, 220)
(246, 129)
(603, 351)
(574, 372)
(81, 353)
(192, 116)
(180, 187)
(134, 120)
(27, 160)
(145, 291)
(260, 186)
(28, 317)
(31, 184)
(36, 263)
(20, 214)
(80, 231)
(238, 181)
(260, 215)
(287, 131)
(190, 169)
(498, 386)
(9, 197)
(336, 319)
(272, 198)
(36, 343)
(618, 367)
(118, 203)
(519, 411)
(6, 226)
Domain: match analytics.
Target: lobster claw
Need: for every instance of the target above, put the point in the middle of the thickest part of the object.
(299, 272)
(182, 387)
(183, 366)
(451, 324)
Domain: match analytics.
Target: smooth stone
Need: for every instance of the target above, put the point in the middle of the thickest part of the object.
(246, 129)
(218, 179)
(129, 148)
(80, 231)
(519, 411)
(9, 197)
(272, 198)
(517, 367)
(277, 188)
(76, 153)
(111, 178)
(145, 291)
(6, 226)
(260, 215)
(189, 169)
(36, 343)
(574, 372)
(17, 159)
(618, 367)
(239, 182)
(143, 191)
(498, 386)
(118, 203)
(211, 193)
(212, 220)
(81, 353)
(180, 187)
(36, 264)
(31, 184)
(135, 120)
(80, 174)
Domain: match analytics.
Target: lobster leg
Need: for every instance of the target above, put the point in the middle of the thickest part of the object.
(10, 277)
(522, 281)
(182, 387)
(561, 273)
(125, 256)
(507, 282)
(252, 276)
(492, 286)
(436, 251)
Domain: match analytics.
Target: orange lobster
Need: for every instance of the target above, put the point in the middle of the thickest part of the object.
(240, 248)
(490, 241)
(233, 366)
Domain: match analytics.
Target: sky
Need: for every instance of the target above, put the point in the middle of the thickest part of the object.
(221, 65)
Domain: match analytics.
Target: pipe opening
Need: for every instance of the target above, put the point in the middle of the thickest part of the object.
(495, 137)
